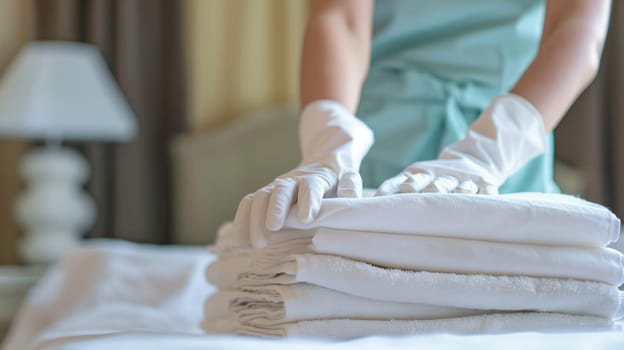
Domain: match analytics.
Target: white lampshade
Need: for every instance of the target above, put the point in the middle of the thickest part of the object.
(63, 90)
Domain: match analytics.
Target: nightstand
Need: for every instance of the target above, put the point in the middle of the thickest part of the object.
(15, 281)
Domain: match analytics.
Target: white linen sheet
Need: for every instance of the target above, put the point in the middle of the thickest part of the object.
(518, 218)
(514, 341)
(108, 287)
(132, 296)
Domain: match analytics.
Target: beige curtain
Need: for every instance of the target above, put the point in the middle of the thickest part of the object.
(241, 55)
(16, 27)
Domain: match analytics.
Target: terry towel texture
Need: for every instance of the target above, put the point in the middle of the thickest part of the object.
(474, 291)
(420, 263)
(438, 254)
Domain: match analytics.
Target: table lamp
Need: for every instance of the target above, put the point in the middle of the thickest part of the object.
(56, 91)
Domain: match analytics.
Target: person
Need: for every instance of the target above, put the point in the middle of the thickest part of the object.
(452, 96)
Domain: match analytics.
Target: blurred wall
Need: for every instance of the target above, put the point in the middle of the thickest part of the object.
(241, 55)
(16, 27)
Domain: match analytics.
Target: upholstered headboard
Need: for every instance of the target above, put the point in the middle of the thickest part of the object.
(213, 171)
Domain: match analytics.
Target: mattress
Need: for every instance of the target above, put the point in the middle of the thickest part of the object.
(519, 341)
(114, 294)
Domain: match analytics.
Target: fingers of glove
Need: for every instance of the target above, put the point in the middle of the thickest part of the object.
(257, 227)
(467, 187)
(242, 219)
(391, 185)
(281, 199)
(350, 185)
(311, 192)
(488, 189)
(415, 183)
(442, 184)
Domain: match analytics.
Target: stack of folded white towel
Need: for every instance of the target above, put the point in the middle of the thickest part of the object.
(422, 263)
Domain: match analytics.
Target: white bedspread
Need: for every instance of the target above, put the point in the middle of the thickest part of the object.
(117, 295)
(109, 287)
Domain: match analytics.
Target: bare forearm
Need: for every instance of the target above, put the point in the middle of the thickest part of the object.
(568, 57)
(336, 52)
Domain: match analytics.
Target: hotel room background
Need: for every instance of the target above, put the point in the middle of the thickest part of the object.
(196, 67)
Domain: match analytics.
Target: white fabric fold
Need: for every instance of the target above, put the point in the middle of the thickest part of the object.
(475, 291)
(229, 239)
(480, 324)
(225, 271)
(434, 254)
(110, 287)
(531, 218)
(271, 305)
(439, 254)
(421, 263)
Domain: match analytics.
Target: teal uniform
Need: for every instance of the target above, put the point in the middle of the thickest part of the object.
(435, 66)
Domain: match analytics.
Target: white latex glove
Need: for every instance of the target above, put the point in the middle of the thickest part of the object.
(508, 134)
(333, 143)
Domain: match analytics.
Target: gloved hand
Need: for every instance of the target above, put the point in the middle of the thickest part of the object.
(508, 134)
(333, 143)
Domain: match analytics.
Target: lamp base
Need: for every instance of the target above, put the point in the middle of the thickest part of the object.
(53, 210)
(40, 247)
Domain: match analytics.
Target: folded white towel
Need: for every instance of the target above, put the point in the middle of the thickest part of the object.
(435, 254)
(438, 254)
(225, 273)
(480, 324)
(530, 262)
(272, 305)
(533, 218)
(229, 239)
(486, 292)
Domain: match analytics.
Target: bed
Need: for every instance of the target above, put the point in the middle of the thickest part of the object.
(115, 294)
